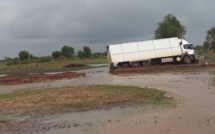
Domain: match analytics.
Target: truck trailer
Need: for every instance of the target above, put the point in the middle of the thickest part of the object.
(159, 51)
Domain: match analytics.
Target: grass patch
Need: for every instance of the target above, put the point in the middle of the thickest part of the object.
(79, 98)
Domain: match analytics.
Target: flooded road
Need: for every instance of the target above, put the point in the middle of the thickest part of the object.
(195, 115)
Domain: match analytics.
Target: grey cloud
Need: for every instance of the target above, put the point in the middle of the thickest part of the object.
(50, 24)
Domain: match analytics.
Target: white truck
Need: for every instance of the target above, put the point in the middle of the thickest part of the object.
(160, 51)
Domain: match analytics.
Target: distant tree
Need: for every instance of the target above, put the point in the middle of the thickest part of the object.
(81, 54)
(97, 55)
(31, 56)
(24, 55)
(16, 61)
(67, 51)
(198, 47)
(56, 54)
(7, 58)
(45, 59)
(10, 61)
(206, 45)
(87, 52)
(210, 38)
(169, 27)
(62, 58)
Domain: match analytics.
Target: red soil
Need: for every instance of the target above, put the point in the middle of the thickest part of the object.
(38, 78)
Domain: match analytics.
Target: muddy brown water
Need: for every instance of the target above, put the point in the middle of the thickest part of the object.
(196, 115)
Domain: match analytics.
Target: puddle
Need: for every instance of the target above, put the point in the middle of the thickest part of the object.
(3, 75)
(191, 117)
(195, 116)
(55, 72)
(94, 121)
(98, 65)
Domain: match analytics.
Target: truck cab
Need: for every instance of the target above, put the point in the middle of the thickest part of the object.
(188, 53)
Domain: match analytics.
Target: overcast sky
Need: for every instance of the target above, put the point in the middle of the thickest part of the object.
(44, 26)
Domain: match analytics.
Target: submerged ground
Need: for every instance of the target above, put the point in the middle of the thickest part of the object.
(194, 115)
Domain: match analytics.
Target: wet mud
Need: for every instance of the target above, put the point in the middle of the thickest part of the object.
(195, 114)
(8, 80)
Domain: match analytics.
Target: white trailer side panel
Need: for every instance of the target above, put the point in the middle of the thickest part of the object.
(167, 47)
(131, 56)
(115, 49)
(130, 51)
(145, 45)
(115, 58)
(161, 44)
(176, 51)
(146, 55)
(144, 50)
(129, 47)
(174, 42)
(163, 52)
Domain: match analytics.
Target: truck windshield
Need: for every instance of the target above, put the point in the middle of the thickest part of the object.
(188, 46)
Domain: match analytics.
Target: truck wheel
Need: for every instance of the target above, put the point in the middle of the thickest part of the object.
(135, 64)
(187, 60)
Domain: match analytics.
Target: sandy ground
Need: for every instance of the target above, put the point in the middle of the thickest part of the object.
(195, 115)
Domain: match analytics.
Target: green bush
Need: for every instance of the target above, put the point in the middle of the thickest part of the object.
(45, 59)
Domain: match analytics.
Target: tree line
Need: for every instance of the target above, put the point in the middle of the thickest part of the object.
(66, 52)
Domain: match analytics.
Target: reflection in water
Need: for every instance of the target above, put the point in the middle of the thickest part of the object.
(3, 75)
(96, 121)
